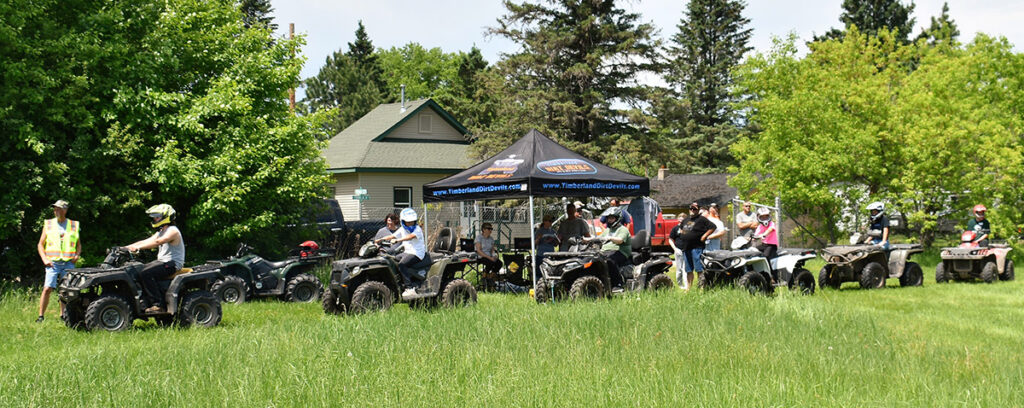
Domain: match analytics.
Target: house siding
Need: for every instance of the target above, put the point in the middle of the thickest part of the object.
(440, 129)
(380, 188)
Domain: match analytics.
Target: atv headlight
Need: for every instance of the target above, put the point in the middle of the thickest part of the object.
(734, 261)
(572, 265)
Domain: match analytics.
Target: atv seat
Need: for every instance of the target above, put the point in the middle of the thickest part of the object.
(794, 251)
(279, 264)
(641, 246)
(446, 241)
(181, 271)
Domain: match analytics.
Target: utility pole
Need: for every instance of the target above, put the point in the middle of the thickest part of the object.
(291, 91)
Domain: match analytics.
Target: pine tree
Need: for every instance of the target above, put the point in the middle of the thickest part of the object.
(872, 15)
(942, 29)
(577, 65)
(257, 12)
(712, 39)
(352, 82)
(365, 56)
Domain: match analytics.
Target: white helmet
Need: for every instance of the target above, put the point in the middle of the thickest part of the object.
(764, 212)
(408, 215)
(876, 206)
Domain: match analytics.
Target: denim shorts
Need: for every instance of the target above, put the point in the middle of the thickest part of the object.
(57, 271)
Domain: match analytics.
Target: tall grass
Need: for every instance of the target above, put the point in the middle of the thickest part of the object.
(937, 345)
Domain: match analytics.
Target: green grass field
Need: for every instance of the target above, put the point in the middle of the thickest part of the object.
(956, 344)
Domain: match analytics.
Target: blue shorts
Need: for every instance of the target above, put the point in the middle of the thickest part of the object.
(57, 271)
(692, 257)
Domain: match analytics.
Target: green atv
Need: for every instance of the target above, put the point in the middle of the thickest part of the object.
(249, 275)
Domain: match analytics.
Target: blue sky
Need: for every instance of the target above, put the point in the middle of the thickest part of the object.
(455, 25)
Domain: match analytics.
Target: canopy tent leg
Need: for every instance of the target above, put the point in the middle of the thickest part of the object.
(533, 249)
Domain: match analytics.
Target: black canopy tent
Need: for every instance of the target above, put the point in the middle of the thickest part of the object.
(535, 166)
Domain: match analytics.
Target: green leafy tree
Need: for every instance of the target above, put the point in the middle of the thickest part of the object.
(711, 41)
(257, 12)
(870, 16)
(98, 120)
(942, 29)
(574, 77)
(852, 123)
(348, 86)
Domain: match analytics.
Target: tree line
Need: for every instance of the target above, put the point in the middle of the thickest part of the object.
(118, 106)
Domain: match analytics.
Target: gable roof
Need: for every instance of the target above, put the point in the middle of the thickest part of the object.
(362, 144)
(679, 190)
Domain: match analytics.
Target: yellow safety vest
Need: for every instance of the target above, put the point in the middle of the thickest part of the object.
(61, 247)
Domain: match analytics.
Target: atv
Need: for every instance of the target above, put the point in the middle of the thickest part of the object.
(970, 261)
(869, 264)
(109, 297)
(746, 268)
(787, 268)
(370, 281)
(584, 270)
(249, 275)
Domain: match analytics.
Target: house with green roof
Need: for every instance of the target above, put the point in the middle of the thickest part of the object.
(390, 153)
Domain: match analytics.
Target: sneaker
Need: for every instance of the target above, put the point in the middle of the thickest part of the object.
(409, 292)
(39, 319)
(617, 289)
(155, 309)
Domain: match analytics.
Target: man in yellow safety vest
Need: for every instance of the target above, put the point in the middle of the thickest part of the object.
(59, 249)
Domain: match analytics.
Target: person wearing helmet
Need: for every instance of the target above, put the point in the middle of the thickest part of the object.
(878, 230)
(616, 246)
(979, 224)
(170, 255)
(767, 233)
(414, 256)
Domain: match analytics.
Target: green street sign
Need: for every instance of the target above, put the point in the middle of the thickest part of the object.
(361, 197)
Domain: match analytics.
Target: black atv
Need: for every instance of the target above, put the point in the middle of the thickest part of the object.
(249, 275)
(109, 297)
(584, 271)
(372, 281)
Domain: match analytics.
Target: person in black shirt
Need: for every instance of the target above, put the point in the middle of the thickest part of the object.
(687, 239)
(980, 225)
(879, 228)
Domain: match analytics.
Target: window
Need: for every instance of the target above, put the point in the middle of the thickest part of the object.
(425, 123)
(403, 197)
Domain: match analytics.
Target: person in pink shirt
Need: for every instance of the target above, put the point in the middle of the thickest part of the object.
(767, 232)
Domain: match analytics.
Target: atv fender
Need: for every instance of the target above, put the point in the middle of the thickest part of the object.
(898, 258)
(195, 279)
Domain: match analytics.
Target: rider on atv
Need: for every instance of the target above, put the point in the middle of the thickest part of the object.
(170, 257)
(878, 230)
(979, 224)
(414, 257)
(617, 246)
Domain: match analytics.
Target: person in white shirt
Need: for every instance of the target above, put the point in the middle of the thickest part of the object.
(414, 256)
(714, 241)
(169, 259)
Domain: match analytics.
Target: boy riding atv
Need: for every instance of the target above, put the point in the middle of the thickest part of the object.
(616, 246)
(976, 257)
(170, 257)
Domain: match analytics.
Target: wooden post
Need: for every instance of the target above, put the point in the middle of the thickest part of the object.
(291, 92)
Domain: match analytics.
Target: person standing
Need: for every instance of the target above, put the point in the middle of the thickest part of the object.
(59, 248)
(688, 238)
(714, 241)
(170, 256)
(571, 226)
(746, 221)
